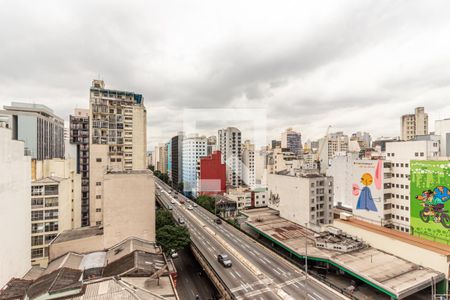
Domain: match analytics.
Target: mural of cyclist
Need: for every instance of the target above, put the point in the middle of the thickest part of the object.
(434, 201)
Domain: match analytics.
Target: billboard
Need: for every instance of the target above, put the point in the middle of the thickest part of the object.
(367, 190)
(429, 200)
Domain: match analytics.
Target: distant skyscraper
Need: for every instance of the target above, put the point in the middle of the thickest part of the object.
(118, 138)
(40, 129)
(292, 140)
(414, 124)
(363, 138)
(79, 136)
(177, 159)
(194, 147)
(230, 147)
(248, 161)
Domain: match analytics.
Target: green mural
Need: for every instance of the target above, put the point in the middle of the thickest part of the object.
(430, 183)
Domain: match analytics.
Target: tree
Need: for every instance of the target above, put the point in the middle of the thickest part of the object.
(163, 218)
(173, 237)
(151, 167)
(207, 202)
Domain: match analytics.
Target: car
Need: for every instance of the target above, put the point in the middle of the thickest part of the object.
(170, 207)
(170, 192)
(181, 201)
(173, 253)
(195, 204)
(175, 196)
(190, 207)
(181, 220)
(224, 260)
(173, 201)
(218, 221)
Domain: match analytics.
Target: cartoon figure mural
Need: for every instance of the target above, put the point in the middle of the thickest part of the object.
(433, 202)
(365, 200)
(430, 200)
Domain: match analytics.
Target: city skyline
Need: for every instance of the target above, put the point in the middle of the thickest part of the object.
(376, 61)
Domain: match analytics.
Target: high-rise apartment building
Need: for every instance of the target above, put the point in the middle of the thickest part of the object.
(38, 127)
(194, 147)
(231, 148)
(177, 159)
(55, 203)
(117, 136)
(79, 136)
(15, 249)
(248, 164)
(400, 154)
(292, 140)
(363, 138)
(414, 124)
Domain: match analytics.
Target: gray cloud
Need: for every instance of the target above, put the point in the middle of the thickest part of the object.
(357, 65)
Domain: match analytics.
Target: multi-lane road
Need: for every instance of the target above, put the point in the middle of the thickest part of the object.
(257, 273)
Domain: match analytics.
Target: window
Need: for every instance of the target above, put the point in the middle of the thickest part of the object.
(37, 240)
(51, 214)
(49, 238)
(98, 183)
(51, 189)
(36, 228)
(51, 226)
(36, 253)
(98, 209)
(421, 154)
(37, 190)
(51, 202)
(37, 215)
(98, 197)
(98, 223)
(98, 160)
(37, 203)
(416, 154)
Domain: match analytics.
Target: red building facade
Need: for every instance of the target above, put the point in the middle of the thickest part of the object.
(211, 175)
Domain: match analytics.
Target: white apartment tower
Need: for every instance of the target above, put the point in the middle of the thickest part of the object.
(230, 147)
(414, 124)
(15, 249)
(118, 138)
(400, 155)
(194, 147)
(248, 164)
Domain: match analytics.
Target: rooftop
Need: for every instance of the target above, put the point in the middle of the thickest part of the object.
(31, 108)
(79, 233)
(404, 237)
(387, 272)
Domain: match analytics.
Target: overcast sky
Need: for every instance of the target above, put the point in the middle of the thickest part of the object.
(356, 65)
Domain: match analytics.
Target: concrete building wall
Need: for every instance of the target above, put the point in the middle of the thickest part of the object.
(15, 192)
(303, 200)
(98, 154)
(139, 138)
(129, 207)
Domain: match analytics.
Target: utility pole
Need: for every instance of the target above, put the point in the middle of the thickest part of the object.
(306, 263)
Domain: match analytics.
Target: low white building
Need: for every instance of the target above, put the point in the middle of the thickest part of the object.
(304, 199)
(15, 229)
